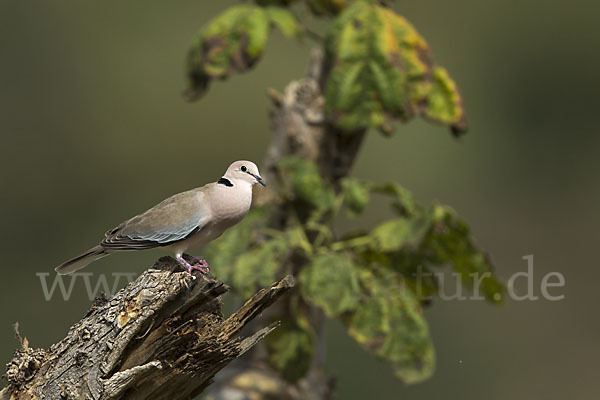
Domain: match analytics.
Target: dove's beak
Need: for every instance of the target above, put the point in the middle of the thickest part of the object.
(259, 179)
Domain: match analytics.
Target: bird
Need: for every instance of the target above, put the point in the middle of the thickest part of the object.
(184, 221)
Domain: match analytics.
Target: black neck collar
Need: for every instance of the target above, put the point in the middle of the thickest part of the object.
(224, 181)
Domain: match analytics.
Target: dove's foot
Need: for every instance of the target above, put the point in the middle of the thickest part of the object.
(193, 260)
(198, 264)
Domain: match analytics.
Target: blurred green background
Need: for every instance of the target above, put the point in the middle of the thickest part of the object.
(94, 129)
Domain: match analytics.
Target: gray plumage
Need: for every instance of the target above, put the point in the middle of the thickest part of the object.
(184, 221)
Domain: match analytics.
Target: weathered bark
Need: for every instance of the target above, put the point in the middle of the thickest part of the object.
(301, 129)
(161, 337)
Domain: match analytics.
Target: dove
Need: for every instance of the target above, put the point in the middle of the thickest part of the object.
(184, 221)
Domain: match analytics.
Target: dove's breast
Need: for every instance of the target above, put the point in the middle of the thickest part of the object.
(226, 207)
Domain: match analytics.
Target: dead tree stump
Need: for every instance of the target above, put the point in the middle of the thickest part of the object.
(163, 336)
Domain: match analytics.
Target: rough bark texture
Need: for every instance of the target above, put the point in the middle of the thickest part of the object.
(300, 129)
(161, 337)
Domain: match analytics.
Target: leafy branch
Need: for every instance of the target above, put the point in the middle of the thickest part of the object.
(377, 71)
(380, 68)
(370, 281)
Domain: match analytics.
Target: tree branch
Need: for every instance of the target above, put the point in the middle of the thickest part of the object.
(300, 128)
(161, 337)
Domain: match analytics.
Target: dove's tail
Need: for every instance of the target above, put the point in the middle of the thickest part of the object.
(81, 261)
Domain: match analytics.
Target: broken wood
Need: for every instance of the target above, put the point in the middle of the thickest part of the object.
(163, 336)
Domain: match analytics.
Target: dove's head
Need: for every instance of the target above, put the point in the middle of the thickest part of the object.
(244, 171)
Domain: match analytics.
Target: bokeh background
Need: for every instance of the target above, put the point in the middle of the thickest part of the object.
(94, 129)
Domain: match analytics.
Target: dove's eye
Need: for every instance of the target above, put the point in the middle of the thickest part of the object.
(243, 168)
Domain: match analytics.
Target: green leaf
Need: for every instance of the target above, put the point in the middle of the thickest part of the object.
(450, 242)
(444, 103)
(326, 7)
(382, 70)
(419, 277)
(231, 42)
(366, 324)
(399, 233)
(291, 348)
(285, 21)
(404, 202)
(330, 281)
(390, 323)
(258, 267)
(426, 237)
(296, 238)
(356, 195)
(303, 179)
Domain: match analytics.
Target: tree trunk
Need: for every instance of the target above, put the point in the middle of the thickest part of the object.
(161, 337)
(299, 129)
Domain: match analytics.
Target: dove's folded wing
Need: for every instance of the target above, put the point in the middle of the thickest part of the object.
(172, 220)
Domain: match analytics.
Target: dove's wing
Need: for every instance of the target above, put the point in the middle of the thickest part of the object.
(174, 219)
